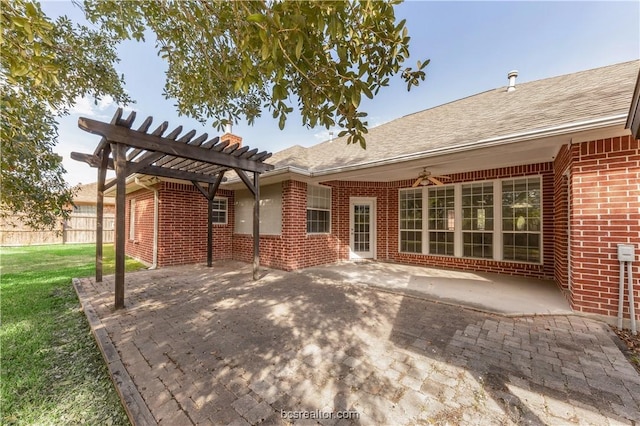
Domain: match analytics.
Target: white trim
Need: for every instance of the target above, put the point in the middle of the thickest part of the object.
(541, 232)
(497, 219)
(400, 229)
(371, 201)
(226, 211)
(132, 219)
(319, 209)
(455, 222)
(458, 250)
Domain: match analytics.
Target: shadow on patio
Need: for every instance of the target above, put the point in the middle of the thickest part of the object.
(210, 346)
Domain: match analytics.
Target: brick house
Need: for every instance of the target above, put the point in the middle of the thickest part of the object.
(540, 179)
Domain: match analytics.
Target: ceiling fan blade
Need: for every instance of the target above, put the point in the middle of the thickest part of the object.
(417, 182)
(435, 181)
(444, 177)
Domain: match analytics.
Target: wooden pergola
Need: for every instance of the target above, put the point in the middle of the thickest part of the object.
(199, 161)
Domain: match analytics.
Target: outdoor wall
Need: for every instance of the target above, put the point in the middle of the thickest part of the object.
(605, 194)
(293, 248)
(561, 170)
(386, 194)
(141, 246)
(182, 229)
(342, 191)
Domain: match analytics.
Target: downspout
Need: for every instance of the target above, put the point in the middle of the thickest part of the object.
(156, 202)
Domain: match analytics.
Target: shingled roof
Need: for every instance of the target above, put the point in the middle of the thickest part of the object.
(563, 100)
(88, 194)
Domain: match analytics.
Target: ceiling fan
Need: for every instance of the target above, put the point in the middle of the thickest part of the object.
(425, 174)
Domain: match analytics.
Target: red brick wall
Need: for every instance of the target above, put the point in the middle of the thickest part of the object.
(141, 247)
(561, 165)
(605, 185)
(182, 230)
(294, 249)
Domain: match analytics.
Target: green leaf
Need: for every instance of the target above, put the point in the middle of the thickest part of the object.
(355, 97)
(256, 17)
(20, 71)
(299, 46)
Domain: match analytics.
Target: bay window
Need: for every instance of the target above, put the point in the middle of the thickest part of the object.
(492, 219)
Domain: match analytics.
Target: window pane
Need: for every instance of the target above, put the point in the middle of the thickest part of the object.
(521, 219)
(411, 220)
(318, 221)
(219, 211)
(477, 211)
(441, 208)
(478, 244)
(441, 243)
(411, 241)
(318, 197)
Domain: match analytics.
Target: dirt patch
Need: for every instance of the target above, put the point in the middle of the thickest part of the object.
(633, 345)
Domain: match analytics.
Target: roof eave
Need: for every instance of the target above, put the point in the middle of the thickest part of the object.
(564, 129)
(633, 119)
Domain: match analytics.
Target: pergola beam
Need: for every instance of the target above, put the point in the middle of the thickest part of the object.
(148, 142)
(132, 167)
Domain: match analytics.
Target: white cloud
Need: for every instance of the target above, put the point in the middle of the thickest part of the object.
(83, 106)
(105, 103)
(89, 107)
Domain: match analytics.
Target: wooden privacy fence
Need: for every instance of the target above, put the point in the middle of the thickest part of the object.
(80, 228)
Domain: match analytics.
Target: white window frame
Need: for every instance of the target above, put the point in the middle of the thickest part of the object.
(455, 232)
(483, 231)
(315, 208)
(540, 233)
(401, 229)
(132, 219)
(458, 232)
(225, 210)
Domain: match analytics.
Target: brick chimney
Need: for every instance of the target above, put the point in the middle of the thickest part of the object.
(228, 136)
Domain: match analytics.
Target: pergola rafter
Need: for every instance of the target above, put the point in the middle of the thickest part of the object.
(199, 161)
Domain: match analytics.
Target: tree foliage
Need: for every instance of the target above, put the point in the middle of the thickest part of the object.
(45, 66)
(232, 60)
(227, 61)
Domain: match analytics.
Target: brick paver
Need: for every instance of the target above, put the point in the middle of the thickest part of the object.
(210, 346)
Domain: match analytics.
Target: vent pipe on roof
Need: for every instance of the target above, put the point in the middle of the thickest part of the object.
(512, 80)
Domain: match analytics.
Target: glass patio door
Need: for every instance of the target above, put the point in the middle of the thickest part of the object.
(362, 228)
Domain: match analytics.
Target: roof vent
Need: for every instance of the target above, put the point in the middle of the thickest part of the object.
(512, 80)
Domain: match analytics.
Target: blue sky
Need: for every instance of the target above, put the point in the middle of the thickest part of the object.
(472, 46)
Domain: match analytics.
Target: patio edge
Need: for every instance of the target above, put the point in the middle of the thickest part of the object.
(134, 405)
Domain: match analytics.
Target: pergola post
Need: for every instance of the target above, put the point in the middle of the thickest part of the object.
(256, 225)
(102, 175)
(121, 175)
(209, 232)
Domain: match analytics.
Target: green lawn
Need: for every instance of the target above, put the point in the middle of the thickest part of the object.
(52, 372)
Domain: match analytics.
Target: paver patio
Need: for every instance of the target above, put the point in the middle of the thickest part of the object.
(211, 346)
